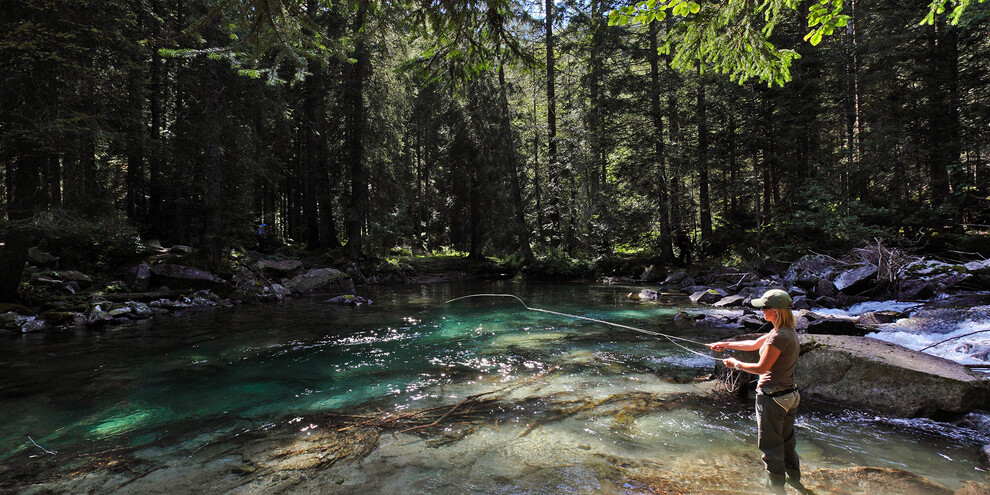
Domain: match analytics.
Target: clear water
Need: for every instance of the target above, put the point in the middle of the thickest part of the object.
(168, 387)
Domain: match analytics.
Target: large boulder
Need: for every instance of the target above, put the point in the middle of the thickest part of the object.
(708, 296)
(837, 326)
(187, 277)
(654, 274)
(280, 269)
(82, 279)
(869, 373)
(937, 274)
(825, 288)
(40, 258)
(141, 278)
(856, 280)
(914, 289)
(980, 271)
(808, 270)
(728, 301)
(678, 278)
(323, 280)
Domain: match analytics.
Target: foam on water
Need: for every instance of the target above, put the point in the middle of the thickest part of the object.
(865, 307)
(929, 327)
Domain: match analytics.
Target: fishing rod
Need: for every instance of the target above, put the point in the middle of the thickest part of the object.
(954, 338)
(671, 338)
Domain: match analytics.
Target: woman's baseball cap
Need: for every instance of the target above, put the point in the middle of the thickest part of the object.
(773, 298)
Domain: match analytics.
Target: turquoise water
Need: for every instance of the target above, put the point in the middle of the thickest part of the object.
(218, 374)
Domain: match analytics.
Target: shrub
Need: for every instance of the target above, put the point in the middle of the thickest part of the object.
(82, 242)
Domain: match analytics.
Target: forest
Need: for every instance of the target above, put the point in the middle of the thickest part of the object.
(526, 131)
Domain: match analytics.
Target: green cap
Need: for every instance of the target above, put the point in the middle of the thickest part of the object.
(773, 298)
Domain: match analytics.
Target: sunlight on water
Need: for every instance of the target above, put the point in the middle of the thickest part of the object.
(130, 418)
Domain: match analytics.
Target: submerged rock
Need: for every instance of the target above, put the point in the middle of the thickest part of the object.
(873, 481)
(348, 299)
(870, 373)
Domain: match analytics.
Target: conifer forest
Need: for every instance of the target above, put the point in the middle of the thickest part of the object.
(524, 131)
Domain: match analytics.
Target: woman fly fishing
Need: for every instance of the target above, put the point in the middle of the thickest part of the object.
(777, 395)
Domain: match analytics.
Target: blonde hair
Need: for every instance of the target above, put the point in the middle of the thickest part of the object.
(785, 317)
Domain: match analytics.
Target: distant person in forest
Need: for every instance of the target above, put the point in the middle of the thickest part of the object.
(777, 395)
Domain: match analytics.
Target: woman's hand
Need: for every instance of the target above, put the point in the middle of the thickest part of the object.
(731, 363)
(717, 346)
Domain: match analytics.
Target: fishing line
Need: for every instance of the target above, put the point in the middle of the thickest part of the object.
(671, 338)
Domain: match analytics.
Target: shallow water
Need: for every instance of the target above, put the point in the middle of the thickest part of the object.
(185, 392)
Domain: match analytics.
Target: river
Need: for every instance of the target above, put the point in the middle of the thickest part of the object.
(213, 401)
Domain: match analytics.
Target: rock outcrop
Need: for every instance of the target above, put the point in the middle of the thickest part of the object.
(321, 280)
(870, 373)
(186, 277)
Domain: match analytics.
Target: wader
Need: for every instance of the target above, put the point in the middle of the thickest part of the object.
(775, 413)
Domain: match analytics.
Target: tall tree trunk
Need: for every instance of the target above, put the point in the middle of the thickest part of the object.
(213, 212)
(673, 152)
(354, 140)
(705, 205)
(944, 127)
(135, 149)
(311, 167)
(553, 167)
(474, 251)
(857, 189)
(537, 190)
(730, 143)
(508, 144)
(53, 181)
(23, 193)
(663, 196)
(598, 175)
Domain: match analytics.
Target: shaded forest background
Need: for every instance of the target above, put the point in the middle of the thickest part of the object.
(527, 132)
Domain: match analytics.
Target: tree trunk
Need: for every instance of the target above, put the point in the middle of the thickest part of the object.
(354, 140)
(155, 158)
(135, 149)
(311, 166)
(705, 205)
(857, 189)
(673, 153)
(944, 127)
(23, 193)
(730, 143)
(474, 251)
(508, 144)
(598, 175)
(213, 212)
(537, 190)
(553, 167)
(663, 197)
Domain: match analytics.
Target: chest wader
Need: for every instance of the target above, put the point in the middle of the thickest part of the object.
(775, 413)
